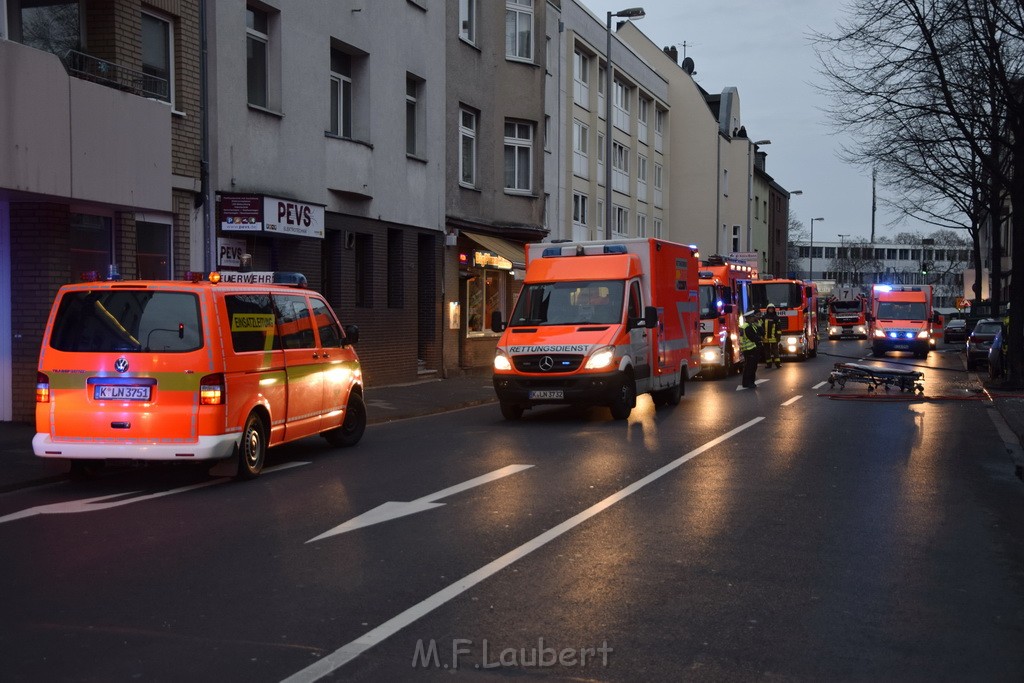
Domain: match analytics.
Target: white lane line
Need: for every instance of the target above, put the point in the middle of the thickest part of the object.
(793, 400)
(347, 653)
(104, 502)
(819, 385)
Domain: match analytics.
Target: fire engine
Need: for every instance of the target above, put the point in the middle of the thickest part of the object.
(796, 304)
(847, 314)
(721, 279)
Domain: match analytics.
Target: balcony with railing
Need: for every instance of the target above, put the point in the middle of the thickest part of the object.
(113, 75)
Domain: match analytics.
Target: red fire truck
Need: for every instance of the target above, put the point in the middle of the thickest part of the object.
(721, 279)
(796, 304)
(847, 314)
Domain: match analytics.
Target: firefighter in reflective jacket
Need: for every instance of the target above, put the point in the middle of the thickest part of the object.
(750, 345)
(770, 330)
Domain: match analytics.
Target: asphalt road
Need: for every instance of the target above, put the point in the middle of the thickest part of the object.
(772, 533)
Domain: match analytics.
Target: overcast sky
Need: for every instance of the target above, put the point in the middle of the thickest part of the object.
(762, 48)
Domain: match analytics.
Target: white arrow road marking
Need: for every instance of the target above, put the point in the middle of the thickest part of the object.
(94, 504)
(393, 510)
(347, 653)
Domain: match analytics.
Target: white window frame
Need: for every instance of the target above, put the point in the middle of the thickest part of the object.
(620, 221)
(657, 228)
(641, 224)
(519, 18)
(620, 167)
(620, 105)
(580, 143)
(467, 136)
(642, 114)
(641, 177)
(413, 116)
(658, 187)
(254, 35)
(341, 96)
(520, 140)
(169, 34)
(580, 216)
(467, 20)
(659, 128)
(600, 158)
(581, 79)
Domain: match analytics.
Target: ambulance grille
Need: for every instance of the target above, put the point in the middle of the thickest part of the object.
(548, 362)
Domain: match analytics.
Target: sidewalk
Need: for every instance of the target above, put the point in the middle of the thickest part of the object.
(20, 468)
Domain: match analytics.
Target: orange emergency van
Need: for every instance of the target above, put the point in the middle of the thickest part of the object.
(194, 370)
(597, 323)
(902, 319)
(796, 304)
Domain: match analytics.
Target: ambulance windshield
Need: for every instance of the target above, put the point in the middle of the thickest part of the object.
(569, 303)
(127, 320)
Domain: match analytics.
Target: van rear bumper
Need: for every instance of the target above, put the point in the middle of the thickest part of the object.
(206, 448)
(590, 389)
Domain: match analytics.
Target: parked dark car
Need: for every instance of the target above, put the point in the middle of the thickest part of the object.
(996, 357)
(955, 331)
(980, 341)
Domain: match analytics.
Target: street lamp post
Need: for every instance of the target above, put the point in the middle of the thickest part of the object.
(631, 13)
(810, 270)
(842, 251)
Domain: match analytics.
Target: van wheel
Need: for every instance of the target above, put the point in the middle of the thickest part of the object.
(253, 451)
(84, 470)
(511, 411)
(622, 406)
(351, 430)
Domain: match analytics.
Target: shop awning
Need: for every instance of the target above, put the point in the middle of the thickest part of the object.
(515, 253)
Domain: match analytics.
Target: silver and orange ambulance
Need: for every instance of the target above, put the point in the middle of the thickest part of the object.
(194, 370)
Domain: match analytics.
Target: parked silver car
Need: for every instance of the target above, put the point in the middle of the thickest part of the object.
(980, 341)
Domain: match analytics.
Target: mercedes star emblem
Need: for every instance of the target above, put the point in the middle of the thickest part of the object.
(546, 363)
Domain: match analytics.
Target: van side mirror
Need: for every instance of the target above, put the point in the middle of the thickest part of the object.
(648, 322)
(497, 324)
(351, 334)
(727, 308)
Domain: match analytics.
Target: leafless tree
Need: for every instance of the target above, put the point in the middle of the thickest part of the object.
(920, 82)
(798, 234)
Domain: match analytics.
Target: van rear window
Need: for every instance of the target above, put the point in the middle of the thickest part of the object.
(127, 321)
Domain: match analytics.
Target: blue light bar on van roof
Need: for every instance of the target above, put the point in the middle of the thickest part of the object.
(883, 288)
(553, 252)
(615, 248)
(294, 279)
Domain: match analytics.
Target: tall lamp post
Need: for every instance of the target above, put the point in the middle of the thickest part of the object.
(842, 251)
(810, 270)
(631, 13)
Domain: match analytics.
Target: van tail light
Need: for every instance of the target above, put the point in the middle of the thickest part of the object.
(42, 388)
(211, 390)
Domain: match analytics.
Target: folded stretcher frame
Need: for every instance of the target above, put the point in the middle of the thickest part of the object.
(904, 380)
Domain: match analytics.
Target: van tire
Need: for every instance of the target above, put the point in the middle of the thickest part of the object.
(511, 411)
(351, 430)
(252, 452)
(623, 405)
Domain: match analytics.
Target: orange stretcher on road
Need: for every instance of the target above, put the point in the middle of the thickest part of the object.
(873, 377)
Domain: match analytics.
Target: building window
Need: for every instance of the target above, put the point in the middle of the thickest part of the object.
(91, 246)
(341, 93)
(641, 177)
(467, 20)
(579, 208)
(153, 250)
(620, 221)
(519, 29)
(485, 291)
(657, 228)
(53, 27)
(620, 106)
(642, 112)
(412, 114)
(725, 182)
(736, 238)
(659, 128)
(363, 272)
(157, 57)
(600, 159)
(580, 143)
(658, 170)
(467, 147)
(518, 156)
(641, 225)
(581, 79)
(620, 168)
(396, 268)
(757, 207)
(257, 55)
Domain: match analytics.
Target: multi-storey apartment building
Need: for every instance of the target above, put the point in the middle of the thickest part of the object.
(327, 155)
(639, 135)
(100, 142)
(497, 140)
